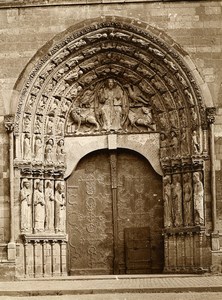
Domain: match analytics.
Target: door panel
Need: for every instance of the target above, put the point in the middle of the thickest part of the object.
(138, 250)
(139, 205)
(115, 215)
(89, 217)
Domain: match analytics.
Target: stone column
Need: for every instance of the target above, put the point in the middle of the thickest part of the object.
(210, 111)
(9, 125)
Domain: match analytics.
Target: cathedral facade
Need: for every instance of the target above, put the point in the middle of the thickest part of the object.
(110, 138)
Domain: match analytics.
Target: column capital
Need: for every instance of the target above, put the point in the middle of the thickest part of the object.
(9, 122)
(210, 114)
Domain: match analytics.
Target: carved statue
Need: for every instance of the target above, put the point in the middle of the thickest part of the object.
(181, 79)
(198, 192)
(158, 68)
(189, 97)
(110, 105)
(54, 106)
(120, 35)
(159, 85)
(194, 118)
(162, 120)
(95, 37)
(49, 126)
(173, 118)
(60, 207)
(168, 221)
(30, 103)
(60, 126)
(60, 57)
(178, 99)
(83, 117)
(27, 147)
(38, 124)
(184, 146)
(47, 70)
(26, 208)
(168, 101)
(156, 104)
(143, 118)
(170, 64)
(27, 123)
(187, 200)
(38, 148)
(195, 143)
(49, 155)
(39, 206)
(42, 103)
(60, 154)
(183, 118)
(177, 200)
(49, 206)
(170, 83)
(164, 146)
(174, 144)
(65, 107)
(73, 75)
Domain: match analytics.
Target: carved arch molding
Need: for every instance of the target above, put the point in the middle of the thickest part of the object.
(109, 78)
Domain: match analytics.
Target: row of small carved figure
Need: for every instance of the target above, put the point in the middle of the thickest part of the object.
(50, 152)
(175, 145)
(43, 206)
(50, 126)
(183, 200)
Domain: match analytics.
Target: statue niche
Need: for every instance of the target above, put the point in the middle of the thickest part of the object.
(108, 107)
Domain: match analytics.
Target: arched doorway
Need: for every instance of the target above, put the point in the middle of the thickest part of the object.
(117, 82)
(114, 215)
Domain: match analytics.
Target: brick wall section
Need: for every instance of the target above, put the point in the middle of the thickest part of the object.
(195, 25)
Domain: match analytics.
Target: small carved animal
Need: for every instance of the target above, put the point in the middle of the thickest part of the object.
(79, 118)
(137, 120)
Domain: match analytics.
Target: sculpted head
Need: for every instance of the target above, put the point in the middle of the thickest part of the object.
(110, 83)
(26, 183)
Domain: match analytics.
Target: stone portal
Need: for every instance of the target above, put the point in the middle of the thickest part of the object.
(105, 84)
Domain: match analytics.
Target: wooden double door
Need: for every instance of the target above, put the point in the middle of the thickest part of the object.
(114, 215)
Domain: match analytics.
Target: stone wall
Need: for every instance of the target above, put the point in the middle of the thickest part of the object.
(195, 25)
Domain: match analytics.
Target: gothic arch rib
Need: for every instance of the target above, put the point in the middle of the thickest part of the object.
(151, 72)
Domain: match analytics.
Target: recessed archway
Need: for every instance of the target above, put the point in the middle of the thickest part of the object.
(120, 81)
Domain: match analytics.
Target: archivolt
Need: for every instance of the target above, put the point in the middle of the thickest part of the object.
(151, 70)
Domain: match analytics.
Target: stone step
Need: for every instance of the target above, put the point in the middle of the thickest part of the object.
(83, 285)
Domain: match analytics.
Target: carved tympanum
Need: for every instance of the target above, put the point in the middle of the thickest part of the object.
(111, 107)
